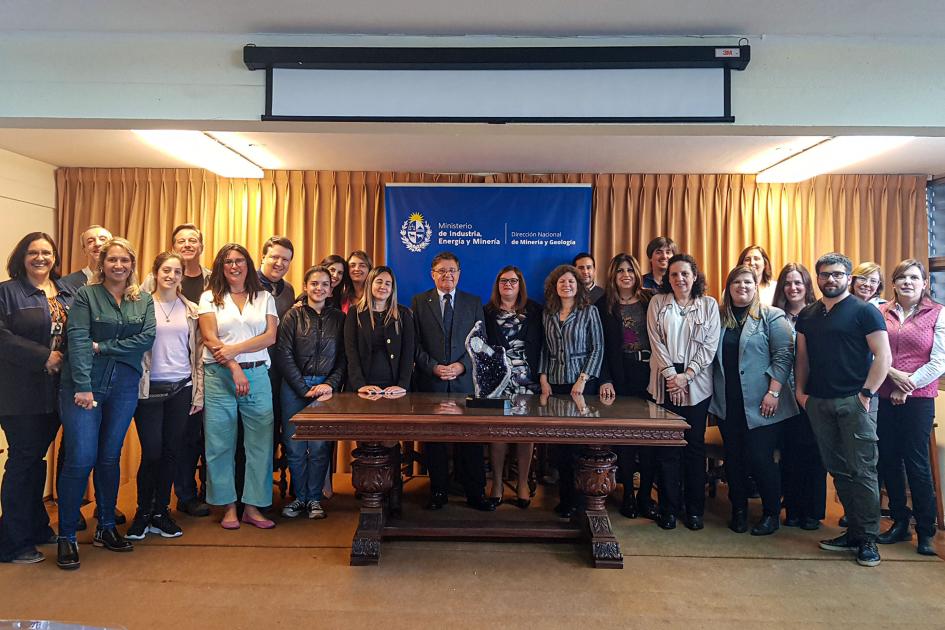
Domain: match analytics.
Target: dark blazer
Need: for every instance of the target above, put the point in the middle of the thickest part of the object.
(25, 333)
(612, 370)
(358, 347)
(431, 339)
(532, 333)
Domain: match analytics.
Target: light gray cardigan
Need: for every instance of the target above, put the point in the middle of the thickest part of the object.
(765, 353)
(702, 336)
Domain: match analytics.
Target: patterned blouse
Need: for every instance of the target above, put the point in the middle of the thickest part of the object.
(510, 325)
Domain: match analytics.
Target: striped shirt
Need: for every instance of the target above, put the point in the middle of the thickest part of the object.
(573, 346)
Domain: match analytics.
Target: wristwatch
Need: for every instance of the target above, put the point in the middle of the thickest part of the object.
(774, 394)
(866, 393)
(583, 377)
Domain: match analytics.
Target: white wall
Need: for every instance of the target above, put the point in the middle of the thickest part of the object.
(790, 82)
(27, 204)
(27, 200)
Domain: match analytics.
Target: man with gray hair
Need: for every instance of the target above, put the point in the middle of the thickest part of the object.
(842, 358)
(91, 240)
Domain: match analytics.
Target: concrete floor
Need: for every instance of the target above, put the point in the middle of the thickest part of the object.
(297, 575)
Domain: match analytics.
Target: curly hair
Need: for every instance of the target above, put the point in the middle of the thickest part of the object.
(698, 283)
(553, 300)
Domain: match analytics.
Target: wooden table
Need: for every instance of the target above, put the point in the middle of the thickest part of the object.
(445, 418)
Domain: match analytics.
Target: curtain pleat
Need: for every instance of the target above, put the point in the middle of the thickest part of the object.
(868, 217)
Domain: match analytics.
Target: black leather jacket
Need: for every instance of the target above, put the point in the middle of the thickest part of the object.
(310, 344)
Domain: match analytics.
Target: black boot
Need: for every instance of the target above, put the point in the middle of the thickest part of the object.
(766, 526)
(628, 506)
(899, 532)
(111, 540)
(68, 555)
(926, 546)
(739, 522)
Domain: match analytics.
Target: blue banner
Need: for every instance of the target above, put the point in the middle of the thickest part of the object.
(488, 226)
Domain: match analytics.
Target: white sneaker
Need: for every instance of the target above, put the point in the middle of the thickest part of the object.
(315, 510)
(293, 509)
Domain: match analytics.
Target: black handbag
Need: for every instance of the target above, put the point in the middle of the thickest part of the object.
(159, 391)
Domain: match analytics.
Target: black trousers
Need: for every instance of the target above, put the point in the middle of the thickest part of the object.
(636, 459)
(803, 476)
(751, 452)
(25, 522)
(161, 427)
(903, 432)
(468, 460)
(565, 455)
(682, 469)
(189, 455)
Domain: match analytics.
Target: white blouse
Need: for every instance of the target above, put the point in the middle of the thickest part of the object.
(236, 327)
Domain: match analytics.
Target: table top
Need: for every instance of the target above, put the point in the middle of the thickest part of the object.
(445, 417)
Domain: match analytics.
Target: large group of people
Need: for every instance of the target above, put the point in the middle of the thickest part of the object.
(212, 364)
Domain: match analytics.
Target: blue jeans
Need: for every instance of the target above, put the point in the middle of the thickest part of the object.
(93, 439)
(308, 459)
(221, 407)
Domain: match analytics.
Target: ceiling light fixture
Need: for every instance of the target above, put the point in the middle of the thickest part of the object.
(785, 148)
(829, 157)
(255, 152)
(199, 149)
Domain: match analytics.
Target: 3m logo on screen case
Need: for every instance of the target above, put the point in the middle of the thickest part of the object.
(415, 233)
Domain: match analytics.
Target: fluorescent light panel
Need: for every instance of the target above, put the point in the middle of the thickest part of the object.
(829, 157)
(195, 147)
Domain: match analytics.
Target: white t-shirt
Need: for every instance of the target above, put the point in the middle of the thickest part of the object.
(766, 294)
(235, 327)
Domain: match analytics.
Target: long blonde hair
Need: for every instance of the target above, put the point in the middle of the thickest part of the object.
(132, 290)
(366, 302)
(725, 308)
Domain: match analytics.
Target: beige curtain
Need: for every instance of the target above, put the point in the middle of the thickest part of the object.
(868, 217)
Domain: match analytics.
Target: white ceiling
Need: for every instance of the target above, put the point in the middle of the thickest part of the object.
(457, 150)
(908, 18)
(474, 148)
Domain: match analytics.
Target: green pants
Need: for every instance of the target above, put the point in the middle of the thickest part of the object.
(846, 438)
(221, 406)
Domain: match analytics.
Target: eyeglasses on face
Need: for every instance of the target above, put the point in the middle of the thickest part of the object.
(873, 282)
(234, 262)
(831, 275)
(446, 272)
(509, 282)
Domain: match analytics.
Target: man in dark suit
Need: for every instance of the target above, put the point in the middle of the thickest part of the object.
(443, 317)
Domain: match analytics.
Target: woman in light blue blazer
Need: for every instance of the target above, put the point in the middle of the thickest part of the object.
(753, 363)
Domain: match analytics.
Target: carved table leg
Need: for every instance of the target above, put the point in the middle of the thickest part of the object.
(372, 477)
(595, 478)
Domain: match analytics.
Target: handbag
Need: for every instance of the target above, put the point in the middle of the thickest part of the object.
(159, 391)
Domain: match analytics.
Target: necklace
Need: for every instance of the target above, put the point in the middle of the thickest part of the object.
(167, 314)
(682, 307)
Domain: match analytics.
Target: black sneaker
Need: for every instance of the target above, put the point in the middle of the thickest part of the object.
(163, 524)
(139, 526)
(867, 555)
(840, 543)
(29, 556)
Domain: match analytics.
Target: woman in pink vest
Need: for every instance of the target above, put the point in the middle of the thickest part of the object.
(916, 327)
